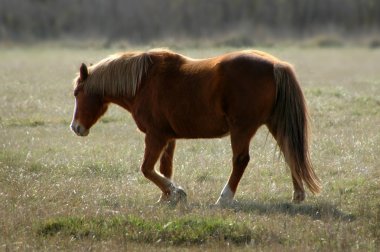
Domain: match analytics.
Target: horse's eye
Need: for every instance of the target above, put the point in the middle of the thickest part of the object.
(78, 88)
(76, 92)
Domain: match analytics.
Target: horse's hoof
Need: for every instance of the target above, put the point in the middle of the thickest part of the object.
(176, 195)
(224, 202)
(181, 193)
(298, 196)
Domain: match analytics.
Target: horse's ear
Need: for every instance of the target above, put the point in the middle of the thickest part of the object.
(83, 72)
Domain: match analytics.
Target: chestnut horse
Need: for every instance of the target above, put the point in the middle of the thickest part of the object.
(171, 96)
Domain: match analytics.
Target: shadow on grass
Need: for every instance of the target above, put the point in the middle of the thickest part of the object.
(318, 211)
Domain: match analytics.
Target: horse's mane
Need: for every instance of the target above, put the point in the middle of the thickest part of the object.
(117, 75)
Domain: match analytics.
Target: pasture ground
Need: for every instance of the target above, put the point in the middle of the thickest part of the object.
(62, 192)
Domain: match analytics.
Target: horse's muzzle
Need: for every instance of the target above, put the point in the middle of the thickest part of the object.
(79, 129)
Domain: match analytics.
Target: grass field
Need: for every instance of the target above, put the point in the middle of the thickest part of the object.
(62, 192)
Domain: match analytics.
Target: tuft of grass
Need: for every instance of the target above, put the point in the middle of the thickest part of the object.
(374, 43)
(326, 41)
(187, 230)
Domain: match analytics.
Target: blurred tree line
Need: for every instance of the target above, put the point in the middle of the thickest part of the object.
(146, 20)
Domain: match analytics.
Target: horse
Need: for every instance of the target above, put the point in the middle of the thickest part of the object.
(171, 96)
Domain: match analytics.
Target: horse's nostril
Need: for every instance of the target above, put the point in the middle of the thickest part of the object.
(77, 129)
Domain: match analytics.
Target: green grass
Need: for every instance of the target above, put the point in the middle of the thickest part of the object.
(62, 192)
(189, 230)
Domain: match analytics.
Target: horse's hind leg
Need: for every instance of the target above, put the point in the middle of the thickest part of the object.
(240, 149)
(299, 191)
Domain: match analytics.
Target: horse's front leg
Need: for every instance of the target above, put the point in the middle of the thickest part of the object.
(153, 148)
(166, 161)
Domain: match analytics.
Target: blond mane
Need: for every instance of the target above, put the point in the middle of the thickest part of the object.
(117, 75)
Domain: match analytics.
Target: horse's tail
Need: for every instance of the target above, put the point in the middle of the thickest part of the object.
(289, 125)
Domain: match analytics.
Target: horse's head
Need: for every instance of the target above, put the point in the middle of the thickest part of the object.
(88, 107)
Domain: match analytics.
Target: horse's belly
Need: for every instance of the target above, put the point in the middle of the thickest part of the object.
(201, 127)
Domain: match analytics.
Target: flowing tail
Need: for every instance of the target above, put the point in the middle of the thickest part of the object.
(289, 125)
